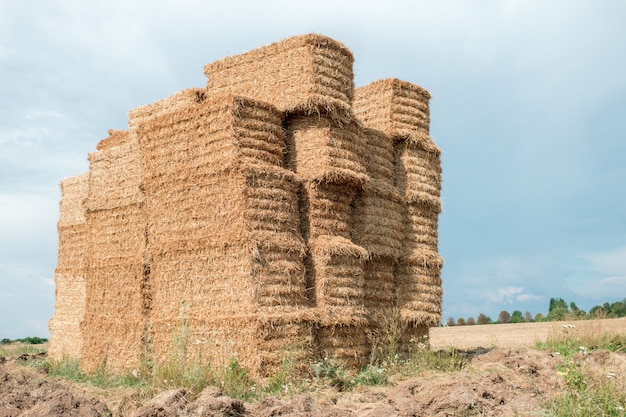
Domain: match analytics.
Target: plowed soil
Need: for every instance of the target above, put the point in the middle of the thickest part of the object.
(505, 378)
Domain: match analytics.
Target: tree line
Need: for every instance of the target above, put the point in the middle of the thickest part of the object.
(558, 310)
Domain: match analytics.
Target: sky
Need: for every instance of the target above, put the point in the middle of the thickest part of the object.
(528, 106)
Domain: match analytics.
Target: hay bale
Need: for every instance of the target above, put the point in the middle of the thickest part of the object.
(418, 176)
(162, 107)
(115, 138)
(418, 281)
(378, 221)
(320, 149)
(64, 326)
(397, 108)
(299, 74)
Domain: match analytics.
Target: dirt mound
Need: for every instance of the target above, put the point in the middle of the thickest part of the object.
(24, 392)
(498, 382)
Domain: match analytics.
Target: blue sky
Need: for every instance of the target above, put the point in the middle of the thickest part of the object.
(529, 108)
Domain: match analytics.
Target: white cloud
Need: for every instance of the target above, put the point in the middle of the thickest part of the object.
(610, 262)
(605, 289)
(505, 295)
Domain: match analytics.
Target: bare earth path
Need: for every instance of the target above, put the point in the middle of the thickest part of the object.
(518, 334)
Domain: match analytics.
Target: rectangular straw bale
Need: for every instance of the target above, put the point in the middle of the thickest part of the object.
(339, 278)
(74, 191)
(301, 73)
(326, 210)
(258, 343)
(114, 177)
(319, 149)
(418, 281)
(143, 114)
(69, 307)
(379, 158)
(420, 229)
(115, 138)
(205, 138)
(345, 343)
(418, 175)
(378, 220)
(64, 326)
(397, 108)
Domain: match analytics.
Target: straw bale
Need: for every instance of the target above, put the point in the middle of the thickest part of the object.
(74, 190)
(326, 210)
(379, 156)
(162, 107)
(343, 342)
(319, 149)
(418, 281)
(397, 108)
(203, 139)
(418, 175)
(65, 335)
(301, 73)
(378, 221)
(69, 307)
(115, 279)
(337, 265)
(420, 229)
(115, 138)
(258, 343)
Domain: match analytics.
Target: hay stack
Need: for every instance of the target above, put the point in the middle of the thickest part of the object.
(400, 111)
(299, 74)
(226, 255)
(69, 276)
(115, 317)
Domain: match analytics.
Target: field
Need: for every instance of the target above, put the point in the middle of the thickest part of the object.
(579, 368)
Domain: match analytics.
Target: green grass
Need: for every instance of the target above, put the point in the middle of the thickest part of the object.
(19, 348)
(586, 393)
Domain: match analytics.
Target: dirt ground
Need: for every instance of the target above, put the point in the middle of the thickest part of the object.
(506, 378)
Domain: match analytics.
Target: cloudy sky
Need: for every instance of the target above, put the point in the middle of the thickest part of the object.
(529, 108)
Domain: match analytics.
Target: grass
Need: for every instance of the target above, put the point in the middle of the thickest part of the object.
(18, 348)
(235, 382)
(587, 393)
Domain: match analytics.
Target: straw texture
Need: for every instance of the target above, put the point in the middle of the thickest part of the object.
(116, 220)
(305, 73)
(69, 276)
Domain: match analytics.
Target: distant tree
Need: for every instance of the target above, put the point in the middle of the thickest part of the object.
(516, 317)
(504, 317)
(557, 303)
(471, 321)
(539, 317)
(460, 321)
(619, 308)
(5, 341)
(483, 319)
(528, 317)
(451, 321)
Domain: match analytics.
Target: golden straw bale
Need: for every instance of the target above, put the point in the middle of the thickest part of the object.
(397, 108)
(378, 221)
(418, 175)
(114, 177)
(115, 138)
(74, 190)
(418, 281)
(379, 156)
(326, 210)
(64, 326)
(319, 149)
(343, 342)
(301, 73)
(162, 107)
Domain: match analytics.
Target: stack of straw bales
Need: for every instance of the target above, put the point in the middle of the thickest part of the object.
(69, 276)
(114, 315)
(399, 110)
(275, 209)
